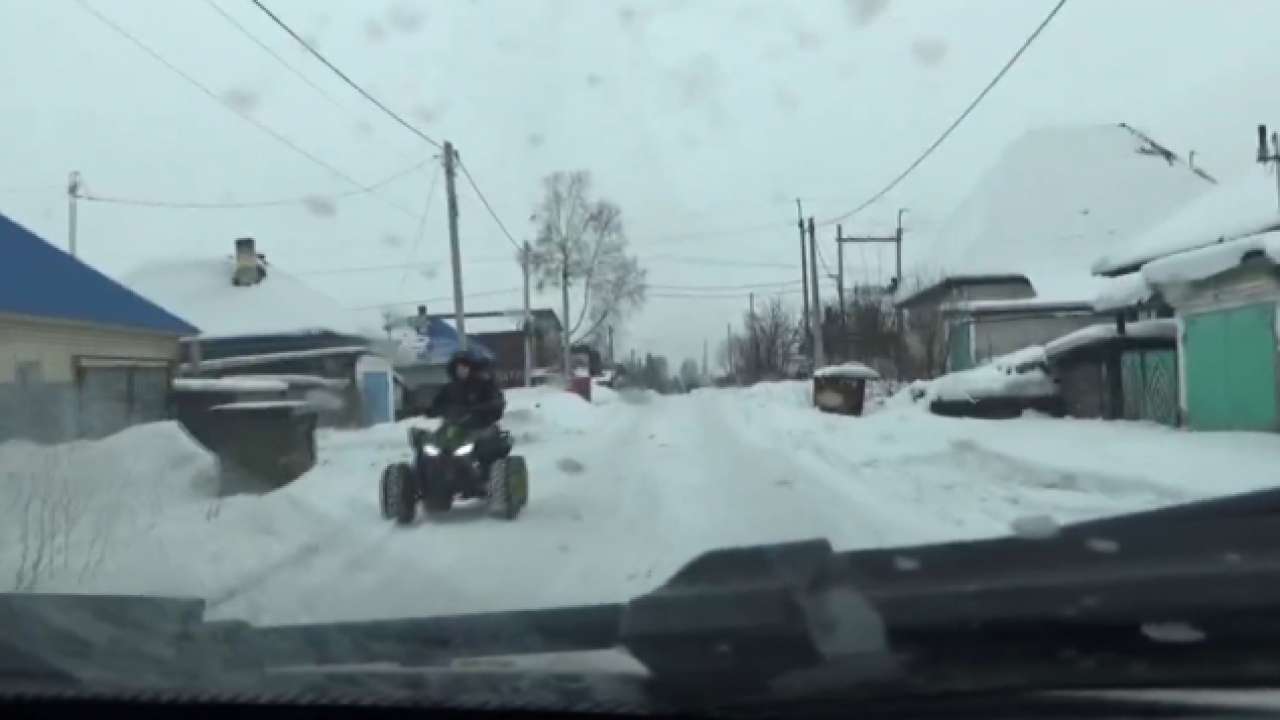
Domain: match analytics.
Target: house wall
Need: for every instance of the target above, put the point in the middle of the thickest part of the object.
(994, 291)
(61, 379)
(999, 334)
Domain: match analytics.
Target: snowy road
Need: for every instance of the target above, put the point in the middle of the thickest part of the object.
(623, 492)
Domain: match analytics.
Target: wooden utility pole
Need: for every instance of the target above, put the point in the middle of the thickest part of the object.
(73, 194)
(611, 362)
(525, 260)
(819, 358)
(804, 273)
(840, 270)
(1271, 154)
(455, 253)
(728, 348)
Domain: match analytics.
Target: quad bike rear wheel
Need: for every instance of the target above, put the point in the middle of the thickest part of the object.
(508, 487)
(399, 499)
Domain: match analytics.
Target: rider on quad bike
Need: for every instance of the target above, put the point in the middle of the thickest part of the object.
(472, 399)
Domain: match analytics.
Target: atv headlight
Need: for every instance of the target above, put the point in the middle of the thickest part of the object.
(465, 449)
(431, 450)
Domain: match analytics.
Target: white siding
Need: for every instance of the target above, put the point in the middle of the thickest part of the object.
(55, 345)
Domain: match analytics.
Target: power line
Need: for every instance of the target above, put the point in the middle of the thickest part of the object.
(267, 48)
(668, 239)
(214, 96)
(199, 205)
(955, 123)
(343, 75)
(485, 293)
(745, 286)
(721, 296)
(485, 201)
(422, 229)
(704, 260)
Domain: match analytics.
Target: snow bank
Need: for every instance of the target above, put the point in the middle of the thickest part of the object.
(1020, 374)
(1242, 207)
(1162, 328)
(1095, 185)
(1208, 261)
(230, 384)
(63, 507)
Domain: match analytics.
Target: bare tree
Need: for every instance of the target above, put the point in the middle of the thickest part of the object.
(581, 246)
(691, 374)
(768, 341)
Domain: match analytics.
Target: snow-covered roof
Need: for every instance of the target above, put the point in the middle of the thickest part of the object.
(1243, 206)
(1124, 291)
(1208, 261)
(263, 405)
(201, 291)
(230, 384)
(1162, 328)
(1056, 200)
(295, 380)
(251, 360)
(848, 370)
(1016, 305)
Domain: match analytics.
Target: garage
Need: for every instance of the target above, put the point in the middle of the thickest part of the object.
(1230, 357)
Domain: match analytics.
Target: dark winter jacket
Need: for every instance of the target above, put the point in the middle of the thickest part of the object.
(478, 397)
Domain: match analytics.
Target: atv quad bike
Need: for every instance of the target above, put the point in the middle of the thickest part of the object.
(451, 463)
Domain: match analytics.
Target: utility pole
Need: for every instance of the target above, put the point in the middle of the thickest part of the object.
(897, 283)
(525, 257)
(1270, 155)
(459, 314)
(728, 349)
(565, 353)
(705, 370)
(840, 270)
(804, 272)
(819, 359)
(753, 339)
(611, 346)
(73, 194)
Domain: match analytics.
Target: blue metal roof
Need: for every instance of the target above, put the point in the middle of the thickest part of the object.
(41, 280)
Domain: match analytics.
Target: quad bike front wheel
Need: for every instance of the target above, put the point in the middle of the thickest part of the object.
(399, 500)
(508, 487)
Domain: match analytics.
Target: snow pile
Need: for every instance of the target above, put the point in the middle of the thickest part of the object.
(1021, 374)
(201, 291)
(1122, 292)
(230, 385)
(1162, 328)
(1208, 261)
(62, 507)
(1242, 207)
(848, 371)
(549, 409)
(1094, 186)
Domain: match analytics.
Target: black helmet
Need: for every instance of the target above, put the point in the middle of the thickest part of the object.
(468, 357)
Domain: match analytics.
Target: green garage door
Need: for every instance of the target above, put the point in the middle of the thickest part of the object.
(959, 352)
(1231, 369)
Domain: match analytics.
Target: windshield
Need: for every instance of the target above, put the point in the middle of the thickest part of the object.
(326, 312)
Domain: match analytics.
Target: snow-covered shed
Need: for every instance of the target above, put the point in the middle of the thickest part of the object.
(255, 318)
(1056, 200)
(1118, 370)
(1226, 296)
(80, 354)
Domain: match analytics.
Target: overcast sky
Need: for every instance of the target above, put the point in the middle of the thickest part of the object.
(702, 119)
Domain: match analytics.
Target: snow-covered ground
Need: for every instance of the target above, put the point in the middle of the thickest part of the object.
(624, 491)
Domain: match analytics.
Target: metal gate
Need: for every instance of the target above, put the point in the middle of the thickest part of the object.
(1231, 369)
(1150, 382)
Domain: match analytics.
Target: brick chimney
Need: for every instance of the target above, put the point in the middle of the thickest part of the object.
(248, 268)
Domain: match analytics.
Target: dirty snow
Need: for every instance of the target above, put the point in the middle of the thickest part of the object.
(624, 491)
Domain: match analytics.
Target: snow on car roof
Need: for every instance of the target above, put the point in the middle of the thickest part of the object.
(1166, 328)
(849, 370)
(1094, 186)
(231, 384)
(1018, 374)
(1242, 207)
(201, 291)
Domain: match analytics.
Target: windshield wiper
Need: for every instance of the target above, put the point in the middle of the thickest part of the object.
(1179, 597)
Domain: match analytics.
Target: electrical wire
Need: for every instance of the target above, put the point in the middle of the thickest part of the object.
(704, 260)
(422, 230)
(713, 288)
(267, 48)
(485, 201)
(198, 205)
(354, 85)
(722, 296)
(955, 123)
(214, 96)
(466, 296)
(668, 239)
